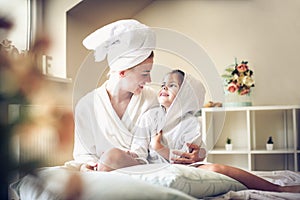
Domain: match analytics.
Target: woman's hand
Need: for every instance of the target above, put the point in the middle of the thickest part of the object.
(194, 155)
(88, 167)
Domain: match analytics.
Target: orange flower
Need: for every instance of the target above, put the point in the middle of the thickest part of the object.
(232, 87)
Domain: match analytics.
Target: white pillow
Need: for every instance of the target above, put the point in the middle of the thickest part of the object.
(53, 182)
(196, 182)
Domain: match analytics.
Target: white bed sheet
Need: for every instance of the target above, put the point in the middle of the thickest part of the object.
(278, 177)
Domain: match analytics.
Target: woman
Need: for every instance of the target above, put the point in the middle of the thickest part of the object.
(105, 117)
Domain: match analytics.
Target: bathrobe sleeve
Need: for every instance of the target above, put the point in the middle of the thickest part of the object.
(146, 128)
(188, 130)
(193, 134)
(84, 141)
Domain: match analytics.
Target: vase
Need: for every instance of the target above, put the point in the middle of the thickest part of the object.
(228, 147)
(236, 100)
(269, 147)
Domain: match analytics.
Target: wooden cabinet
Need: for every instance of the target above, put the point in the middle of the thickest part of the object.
(249, 129)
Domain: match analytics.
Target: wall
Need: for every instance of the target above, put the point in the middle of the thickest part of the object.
(55, 26)
(266, 33)
(19, 32)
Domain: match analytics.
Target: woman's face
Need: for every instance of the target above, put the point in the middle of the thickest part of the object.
(169, 89)
(136, 77)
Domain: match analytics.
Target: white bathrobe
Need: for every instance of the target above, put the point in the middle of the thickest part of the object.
(179, 125)
(98, 127)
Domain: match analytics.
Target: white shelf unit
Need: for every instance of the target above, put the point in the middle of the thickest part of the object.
(249, 128)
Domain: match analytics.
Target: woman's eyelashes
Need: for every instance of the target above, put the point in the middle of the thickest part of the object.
(145, 75)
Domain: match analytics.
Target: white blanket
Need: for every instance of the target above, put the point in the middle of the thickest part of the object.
(185, 183)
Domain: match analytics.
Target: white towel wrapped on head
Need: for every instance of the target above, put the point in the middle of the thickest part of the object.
(125, 43)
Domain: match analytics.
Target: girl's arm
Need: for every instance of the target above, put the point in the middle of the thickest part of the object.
(159, 147)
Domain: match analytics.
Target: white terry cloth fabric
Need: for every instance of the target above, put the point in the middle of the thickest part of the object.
(98, 127)
(179, 125)
(126, 43)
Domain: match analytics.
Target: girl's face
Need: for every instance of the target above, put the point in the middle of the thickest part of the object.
(136, 77)
(169, 89)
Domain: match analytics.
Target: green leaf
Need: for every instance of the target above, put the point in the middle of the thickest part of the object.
(226, 76)
(229, 70)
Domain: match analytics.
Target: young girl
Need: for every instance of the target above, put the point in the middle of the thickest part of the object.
(172, 126)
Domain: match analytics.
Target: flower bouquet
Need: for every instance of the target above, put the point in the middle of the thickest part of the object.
(238, 81)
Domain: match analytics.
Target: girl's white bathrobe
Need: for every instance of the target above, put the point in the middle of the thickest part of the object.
(98, 127)
(179, 124)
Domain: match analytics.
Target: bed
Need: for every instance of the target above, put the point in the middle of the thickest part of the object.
(155, 181)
